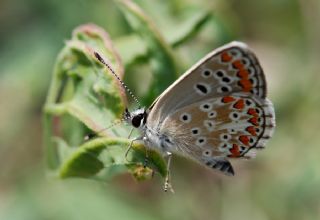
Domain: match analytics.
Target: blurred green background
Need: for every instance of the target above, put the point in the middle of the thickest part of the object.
(283, 182)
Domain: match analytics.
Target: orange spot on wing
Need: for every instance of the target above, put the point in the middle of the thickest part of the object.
(254, 121)
(238, 64)
(251, 130)
(252, 111)
(225, 57)
(245, 84)
(228, 99)
(235, 150)
(243, 74)
(239, 104)
(244, 139)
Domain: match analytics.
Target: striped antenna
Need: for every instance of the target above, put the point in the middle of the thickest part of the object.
(98, 56)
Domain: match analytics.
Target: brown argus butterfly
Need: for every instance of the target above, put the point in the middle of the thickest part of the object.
(215, 111)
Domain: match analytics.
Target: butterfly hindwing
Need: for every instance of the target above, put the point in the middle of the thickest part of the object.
(214, 129)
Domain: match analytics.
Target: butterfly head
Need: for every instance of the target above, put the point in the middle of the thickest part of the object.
(136, 118)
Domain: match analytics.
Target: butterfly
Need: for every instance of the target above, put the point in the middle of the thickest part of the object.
(215, 111)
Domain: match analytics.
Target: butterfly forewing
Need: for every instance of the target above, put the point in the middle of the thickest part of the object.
(231, 68)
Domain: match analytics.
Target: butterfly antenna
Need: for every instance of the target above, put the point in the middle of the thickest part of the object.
(94, 134)
(98, 56)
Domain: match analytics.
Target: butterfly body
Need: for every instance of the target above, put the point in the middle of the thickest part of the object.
(215, 111)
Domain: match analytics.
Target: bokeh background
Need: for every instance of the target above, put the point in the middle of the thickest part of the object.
(283, 182)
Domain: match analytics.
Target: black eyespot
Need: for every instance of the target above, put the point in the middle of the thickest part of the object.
(248, 102)
(195, 131)
(207, 72)
(136, 120)
(207, 152)
(225, 136)
(201, 140)
(212, 114)
(219, 73)
(225, 79)
(224, 89)
(203, 89)
(235, 115)
(185, 117)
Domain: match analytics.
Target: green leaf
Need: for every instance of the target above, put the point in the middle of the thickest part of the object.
(161, 55)
(107, 153)
(84, 88)
(181, 32)
(132, 47)
(83, 95)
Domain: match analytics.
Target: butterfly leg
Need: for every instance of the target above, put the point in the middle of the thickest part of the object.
(130, 146)
(167, 183)
(130, 133)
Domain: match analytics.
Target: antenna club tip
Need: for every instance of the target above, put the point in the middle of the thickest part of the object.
(97, 55)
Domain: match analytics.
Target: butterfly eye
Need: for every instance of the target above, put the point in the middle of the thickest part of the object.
(136, 120)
